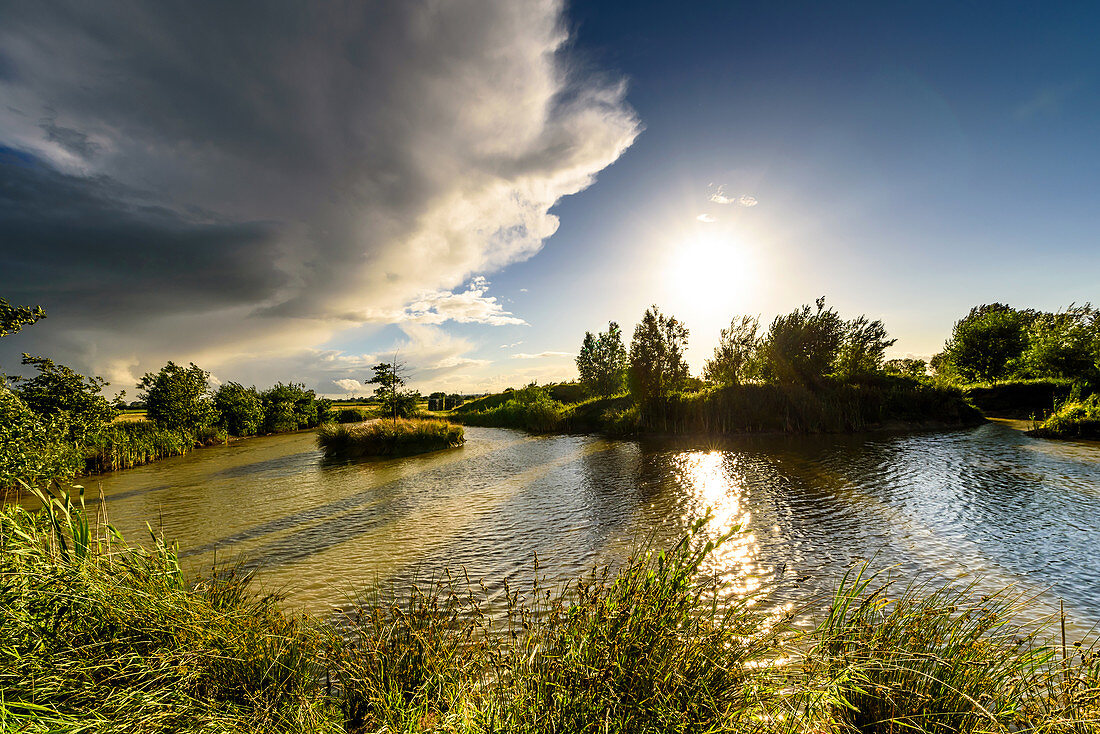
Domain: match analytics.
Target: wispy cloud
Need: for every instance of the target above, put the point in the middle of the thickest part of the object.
(541, 355)
(721, 197)
(706, 218)
(1048, 100)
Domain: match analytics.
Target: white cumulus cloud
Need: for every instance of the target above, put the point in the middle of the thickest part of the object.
(282, 172)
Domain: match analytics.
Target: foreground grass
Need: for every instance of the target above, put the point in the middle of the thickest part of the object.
(1074, 419)
(98, 636)
(387, 438)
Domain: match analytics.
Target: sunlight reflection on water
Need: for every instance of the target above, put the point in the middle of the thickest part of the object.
(987, 502)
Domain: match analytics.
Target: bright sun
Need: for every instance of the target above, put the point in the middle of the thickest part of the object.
(712, 270)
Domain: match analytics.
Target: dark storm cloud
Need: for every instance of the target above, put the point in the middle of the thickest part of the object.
(288, 169)
(73, 242)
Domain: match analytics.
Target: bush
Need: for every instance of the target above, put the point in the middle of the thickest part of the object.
(178, 398)
(1072, 419)
(351, 415)
(291, 407)
(531, 409)
(33, 449)
(240, 409)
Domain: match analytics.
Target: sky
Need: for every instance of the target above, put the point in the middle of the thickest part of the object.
(296, 191)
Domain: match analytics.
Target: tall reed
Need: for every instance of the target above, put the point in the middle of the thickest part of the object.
(387, 438)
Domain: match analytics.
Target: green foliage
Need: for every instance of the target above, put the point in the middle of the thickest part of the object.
(34, 449)
(907, 367)
(178, 398)
(601, 362)
(388, 438)
(802, 346)
(1064, 344)
(928, 659)
(395, 402)
(829, 407)
(657, 366)
(736, 358)
(59, 392)
(531, 409)
(14, 318)
(986, 344)
(240, 409)
(863, 349)
(133, 443)
(98, 636)
(351, 415)
(101, 637)
(1075, 418)
(291, 407)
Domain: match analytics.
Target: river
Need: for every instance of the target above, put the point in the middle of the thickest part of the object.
(984, 503)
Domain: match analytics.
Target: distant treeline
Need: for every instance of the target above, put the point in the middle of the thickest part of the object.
(808, 371)
(811, 370)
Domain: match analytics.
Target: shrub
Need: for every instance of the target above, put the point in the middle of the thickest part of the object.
(291, 407)
(351, 415)
(33, 449)
(240, 409)
(1073, 419)
(531, 409)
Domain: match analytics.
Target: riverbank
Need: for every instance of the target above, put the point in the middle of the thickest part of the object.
(102, 636)
(1020, 399)
(1072, 420)
(889, 403)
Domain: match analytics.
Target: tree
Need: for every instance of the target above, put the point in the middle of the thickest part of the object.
(1064, 344)
(735, 357)
(59, 392)
(803, 345)
(14, 318)
(390, 377)
(988, 343)
(863, 348)
(289, 407)
(240, 409)
(657, 366)
(601, 362)
(178, 398)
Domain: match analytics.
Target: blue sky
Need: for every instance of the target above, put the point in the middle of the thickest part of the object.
(908, 162)
(905, 161)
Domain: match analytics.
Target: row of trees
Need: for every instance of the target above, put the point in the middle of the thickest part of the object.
(997, 342)
(806, 346)
(179, 398)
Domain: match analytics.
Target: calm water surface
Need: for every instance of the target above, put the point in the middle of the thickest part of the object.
(987, 503)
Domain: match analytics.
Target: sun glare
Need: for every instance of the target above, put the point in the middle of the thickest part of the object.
(712, 270)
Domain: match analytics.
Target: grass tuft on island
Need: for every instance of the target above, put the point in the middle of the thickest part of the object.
(104, 637)
(388, 438)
